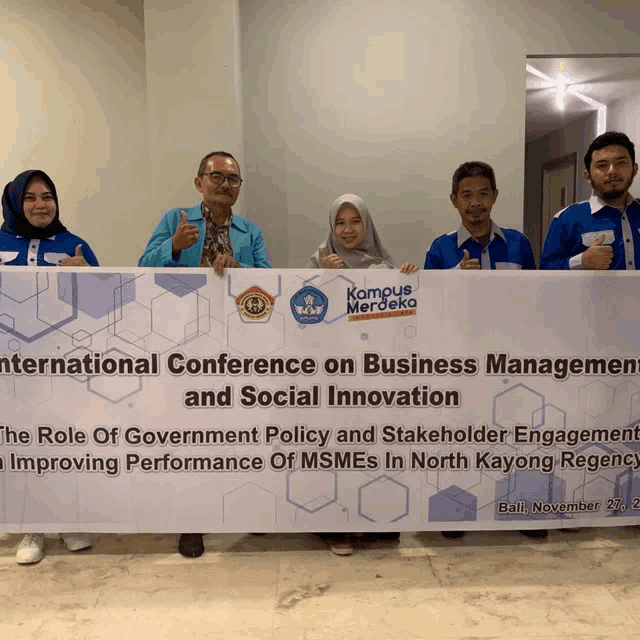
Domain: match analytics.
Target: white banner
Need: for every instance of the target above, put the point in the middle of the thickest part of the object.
(172, 400)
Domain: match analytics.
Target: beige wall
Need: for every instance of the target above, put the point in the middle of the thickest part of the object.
(73, 104)
(387, 99)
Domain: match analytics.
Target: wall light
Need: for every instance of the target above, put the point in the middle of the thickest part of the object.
(562, 86)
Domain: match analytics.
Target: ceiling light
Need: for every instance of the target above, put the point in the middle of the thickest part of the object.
(561, 85)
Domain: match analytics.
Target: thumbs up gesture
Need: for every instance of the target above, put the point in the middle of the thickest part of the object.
(77, 260)
(467, 264)
(185, 236)
(333, 261)
(598, 255)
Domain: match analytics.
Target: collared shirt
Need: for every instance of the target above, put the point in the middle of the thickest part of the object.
(506, 249)
(46, 252)
(217, 239)
(578, 226)
(247, 241)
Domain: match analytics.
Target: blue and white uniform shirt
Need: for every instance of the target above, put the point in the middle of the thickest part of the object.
(506, 249)
(578, 226)
(21, 251)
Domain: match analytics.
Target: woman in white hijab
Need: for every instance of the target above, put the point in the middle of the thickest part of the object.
(353, 241)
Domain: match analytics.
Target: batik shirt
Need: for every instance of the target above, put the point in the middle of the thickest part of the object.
(217, 240)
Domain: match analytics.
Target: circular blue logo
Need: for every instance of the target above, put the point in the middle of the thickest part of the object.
(309, 305)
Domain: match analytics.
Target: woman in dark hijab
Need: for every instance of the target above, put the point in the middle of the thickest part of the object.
(32, 235)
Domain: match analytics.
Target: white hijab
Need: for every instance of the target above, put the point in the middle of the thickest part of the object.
(370, 254)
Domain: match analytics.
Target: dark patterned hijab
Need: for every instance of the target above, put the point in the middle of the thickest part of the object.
(15, 222)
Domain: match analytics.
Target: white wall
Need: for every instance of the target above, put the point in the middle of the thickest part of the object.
(377, 98)
(73, 104)
(386, 100)
(624, 115)
(575, 137)
(193, 94)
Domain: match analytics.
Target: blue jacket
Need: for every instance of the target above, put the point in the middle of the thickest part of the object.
(246, 239)
(578, 226)
(507, 249)
(32, 252)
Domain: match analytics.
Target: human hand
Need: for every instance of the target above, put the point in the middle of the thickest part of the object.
(408, 268)
(467, 264)
(222, 260)
(333, 261)
(186, 234)
(77, 260)
(598, 255)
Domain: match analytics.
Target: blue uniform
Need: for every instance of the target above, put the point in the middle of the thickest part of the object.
(507, 249)
(26, 252)
(578, 226)
(246, 239)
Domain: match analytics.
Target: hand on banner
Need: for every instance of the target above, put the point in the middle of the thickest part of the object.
(408, 268)
(186, 235)
(333, 261)
(223, 261)
(465, 263)
(598, 255)
(77, 260)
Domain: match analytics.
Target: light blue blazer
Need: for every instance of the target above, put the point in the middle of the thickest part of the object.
(246, 239)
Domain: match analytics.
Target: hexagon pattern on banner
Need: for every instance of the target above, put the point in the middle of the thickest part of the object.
(518, 403)
(180, 284)
(241, 503)
(317, 487)
(595, 398)
(383, 499)
(453, 505)
(98, 293)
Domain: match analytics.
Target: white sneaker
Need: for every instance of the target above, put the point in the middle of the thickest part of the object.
(30, 549)
(76, 541)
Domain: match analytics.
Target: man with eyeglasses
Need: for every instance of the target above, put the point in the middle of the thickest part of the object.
(604, 231)
(209, 235)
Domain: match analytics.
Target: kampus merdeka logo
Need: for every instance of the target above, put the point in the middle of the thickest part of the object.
(380, 302)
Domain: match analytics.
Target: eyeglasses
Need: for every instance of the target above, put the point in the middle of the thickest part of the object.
(218, 179)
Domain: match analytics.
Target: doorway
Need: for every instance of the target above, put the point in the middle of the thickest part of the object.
(558, 189)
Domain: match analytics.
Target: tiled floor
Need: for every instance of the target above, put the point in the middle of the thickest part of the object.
(581, 585)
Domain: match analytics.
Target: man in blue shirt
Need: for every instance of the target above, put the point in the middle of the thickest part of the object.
(209, 235)
(479, 243)
(602, 232)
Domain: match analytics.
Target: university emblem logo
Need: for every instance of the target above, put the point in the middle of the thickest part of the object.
(255, 304)
(309, 305)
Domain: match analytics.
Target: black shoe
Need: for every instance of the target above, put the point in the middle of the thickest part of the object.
(191, 545)
(535, 533)
(258, 534)
(390, 535)
(452, 535)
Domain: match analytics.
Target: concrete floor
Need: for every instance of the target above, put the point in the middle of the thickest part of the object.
(572, 586)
